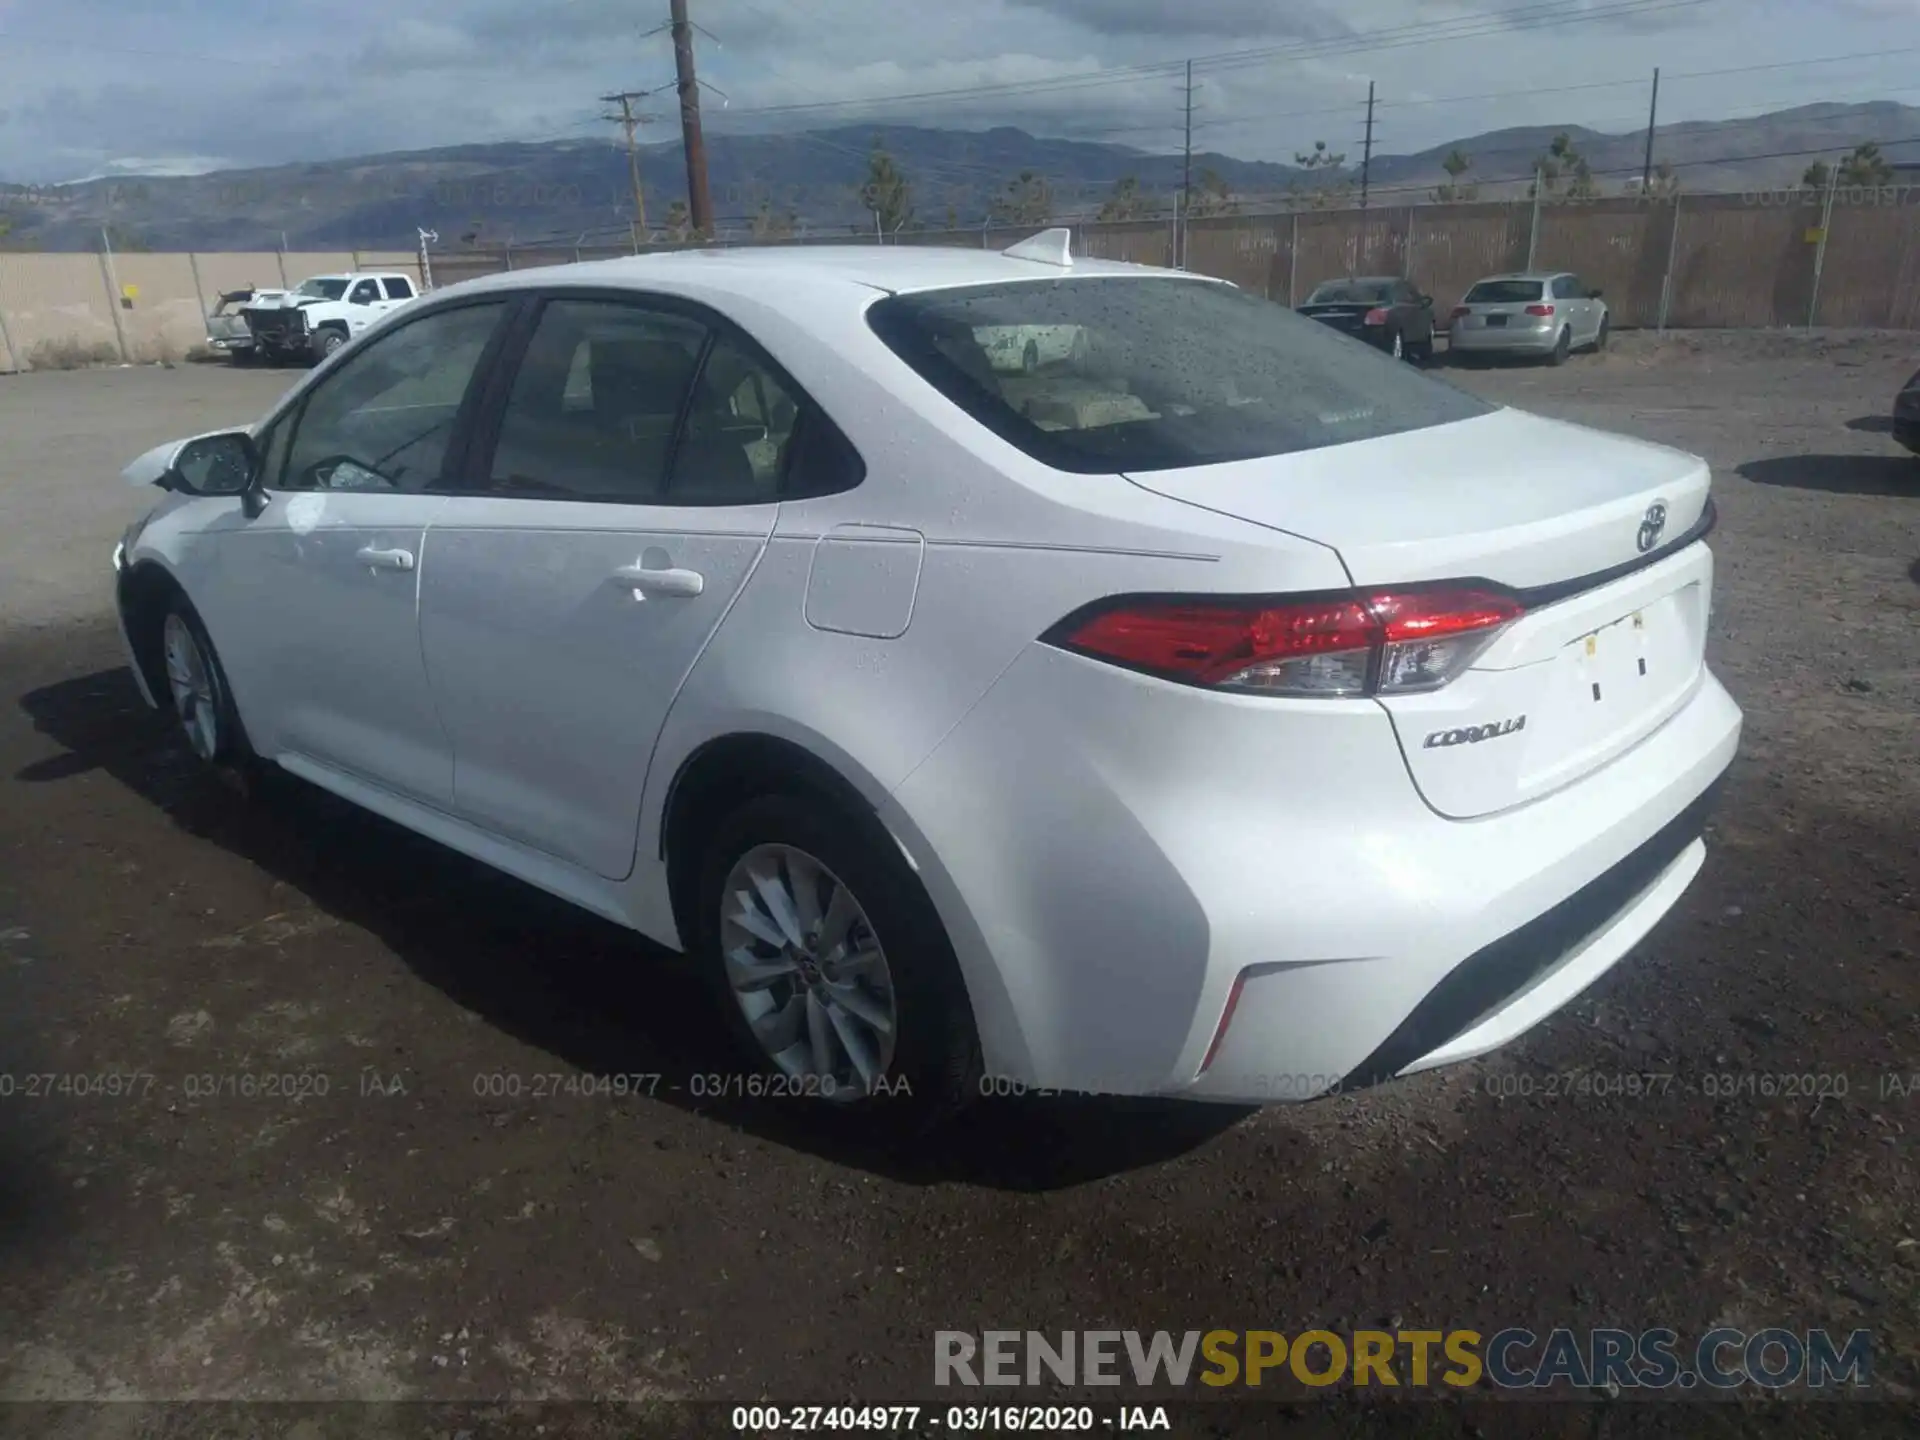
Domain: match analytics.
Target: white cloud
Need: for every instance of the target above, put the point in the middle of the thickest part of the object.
(91, 80)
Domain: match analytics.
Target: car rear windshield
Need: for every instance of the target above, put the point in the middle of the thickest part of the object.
(1354, 292)
(1127, 373)
(1502, 292)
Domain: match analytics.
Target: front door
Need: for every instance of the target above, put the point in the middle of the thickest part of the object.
(630, 492)
(327, 658)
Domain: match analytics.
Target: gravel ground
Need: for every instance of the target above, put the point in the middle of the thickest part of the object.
(407, 1236)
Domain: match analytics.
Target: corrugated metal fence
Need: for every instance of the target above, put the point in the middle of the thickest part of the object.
(1698, 261)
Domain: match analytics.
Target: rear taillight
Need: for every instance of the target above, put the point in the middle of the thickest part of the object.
(1539, 309)
(1383, 642)
(1460, 310)
(1375, 316)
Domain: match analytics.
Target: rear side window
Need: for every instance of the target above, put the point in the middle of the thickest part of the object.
(1503, 292)
(1098, 375)
(593, 408)
(398, 288)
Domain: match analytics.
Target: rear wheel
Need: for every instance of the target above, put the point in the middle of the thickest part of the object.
(1562, 347)
(833, 970)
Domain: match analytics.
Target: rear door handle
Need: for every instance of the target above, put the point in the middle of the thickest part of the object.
(385, 559)
(680, 584)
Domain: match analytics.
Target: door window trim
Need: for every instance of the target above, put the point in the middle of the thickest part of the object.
(475, 474)
(293, 409)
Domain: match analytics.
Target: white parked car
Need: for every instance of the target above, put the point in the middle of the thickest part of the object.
(1286, 720)
(1027, 347)
(315, 319)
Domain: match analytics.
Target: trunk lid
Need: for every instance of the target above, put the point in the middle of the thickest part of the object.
(1340, 316)
(1610, 646)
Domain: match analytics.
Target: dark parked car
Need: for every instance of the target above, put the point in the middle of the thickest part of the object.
(1906, 415)
(1383, 311)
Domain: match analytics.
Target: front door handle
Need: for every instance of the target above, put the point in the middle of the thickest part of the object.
(385, 559)
(680, 584)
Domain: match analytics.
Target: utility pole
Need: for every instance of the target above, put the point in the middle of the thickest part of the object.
(1653, 113)
(699, 200)
(1366, 153)
(628, 121)
(1186, 183)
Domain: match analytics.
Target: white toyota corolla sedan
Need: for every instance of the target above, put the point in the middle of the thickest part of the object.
(1218, 709)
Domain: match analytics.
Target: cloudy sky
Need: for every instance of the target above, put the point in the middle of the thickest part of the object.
(88, 86)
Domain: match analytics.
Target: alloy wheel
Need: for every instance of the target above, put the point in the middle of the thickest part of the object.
(808, 972)
(190, 679)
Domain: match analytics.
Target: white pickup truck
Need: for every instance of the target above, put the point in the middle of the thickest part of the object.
(322, 314)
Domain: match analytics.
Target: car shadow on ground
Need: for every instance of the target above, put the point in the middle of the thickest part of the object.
(1839, 474)
(1872, 424)
(581, 989)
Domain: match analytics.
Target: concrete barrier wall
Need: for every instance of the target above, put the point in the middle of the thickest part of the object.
(57, 311)
(1701, 261)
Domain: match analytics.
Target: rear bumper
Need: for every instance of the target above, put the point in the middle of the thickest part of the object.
(1507, 340)
(1123, 863)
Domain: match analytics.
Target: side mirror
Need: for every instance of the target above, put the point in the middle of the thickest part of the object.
(1595, 295)
(1426, 302)
(359, 299)
(219, 464)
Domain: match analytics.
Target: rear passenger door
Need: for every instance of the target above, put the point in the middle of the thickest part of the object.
(625, 494)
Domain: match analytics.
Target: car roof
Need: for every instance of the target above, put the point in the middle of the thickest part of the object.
(1524, 275)
(770, 272)
(1363, 280)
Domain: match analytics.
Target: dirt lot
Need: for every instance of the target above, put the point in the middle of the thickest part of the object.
(407, 1236)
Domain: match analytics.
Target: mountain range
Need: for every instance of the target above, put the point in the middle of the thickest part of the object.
(809, 182)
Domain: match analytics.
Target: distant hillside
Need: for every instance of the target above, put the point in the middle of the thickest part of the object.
(486, 194)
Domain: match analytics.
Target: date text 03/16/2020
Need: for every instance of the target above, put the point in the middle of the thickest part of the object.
(960, 1419)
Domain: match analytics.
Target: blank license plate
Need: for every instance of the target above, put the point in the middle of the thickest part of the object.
(1496, 320)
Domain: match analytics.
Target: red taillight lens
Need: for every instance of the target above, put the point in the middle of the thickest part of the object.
(1384, 642)
(1460, 310)
(1539, 309)
(1375, 316)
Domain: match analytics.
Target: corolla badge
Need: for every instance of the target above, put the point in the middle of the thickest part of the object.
(1473, 734)
(1652, 525)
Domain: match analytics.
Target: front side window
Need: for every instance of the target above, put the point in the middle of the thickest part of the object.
(365, 293)
(1168, 373)
(383, 420)
(325, 288)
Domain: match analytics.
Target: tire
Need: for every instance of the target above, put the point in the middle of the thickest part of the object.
(921, 1068)
(326, 342)
(1562, 347)
(1600, 335)
(198, 692)
(1030, 358)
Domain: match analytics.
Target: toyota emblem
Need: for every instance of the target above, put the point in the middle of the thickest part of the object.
(1652, 525)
